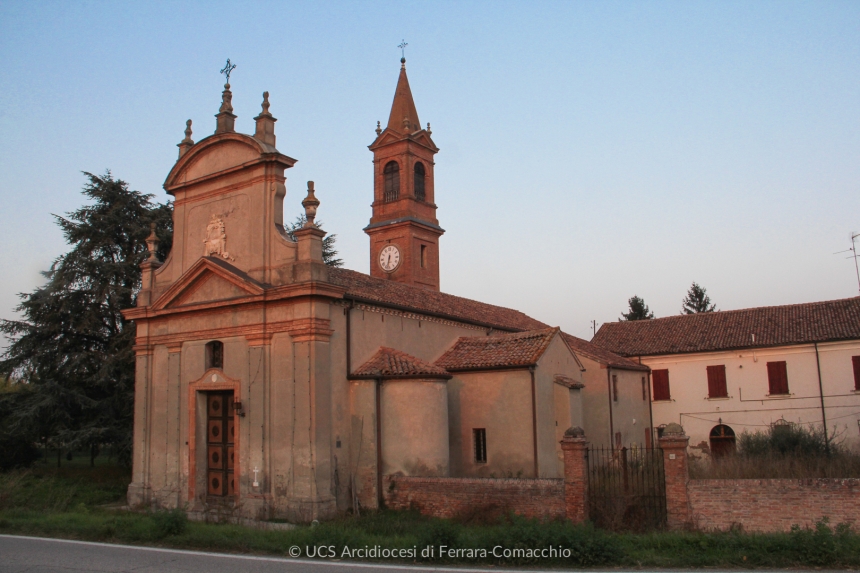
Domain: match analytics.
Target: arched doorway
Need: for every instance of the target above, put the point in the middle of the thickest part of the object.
(722, 441)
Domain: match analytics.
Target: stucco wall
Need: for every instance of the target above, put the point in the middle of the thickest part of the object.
(748, 407)
(597, 400)
(415, 428)
(501, 402)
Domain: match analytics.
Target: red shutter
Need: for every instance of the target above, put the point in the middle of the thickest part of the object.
(856, 361)
(777, 377)
(717, 382)
(661, 384)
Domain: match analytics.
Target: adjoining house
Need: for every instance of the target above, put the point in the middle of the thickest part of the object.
(722, 373)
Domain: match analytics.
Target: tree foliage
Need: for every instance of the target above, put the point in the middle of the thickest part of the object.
(696, 301)
(329, 253)
(638, 310)
(72, 349)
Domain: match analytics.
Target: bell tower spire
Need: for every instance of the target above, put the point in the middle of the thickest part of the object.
(404, 232)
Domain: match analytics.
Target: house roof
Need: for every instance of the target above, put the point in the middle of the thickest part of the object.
(365, 288)
(601, 355)
(497, 351)
(734, 329)
(391, 363)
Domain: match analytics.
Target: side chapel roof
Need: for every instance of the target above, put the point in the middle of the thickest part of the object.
(391, 363)
(497, 351)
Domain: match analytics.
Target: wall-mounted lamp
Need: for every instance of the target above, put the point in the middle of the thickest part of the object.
(237, 407)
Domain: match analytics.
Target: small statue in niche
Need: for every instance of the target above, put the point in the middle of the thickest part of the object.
(216, 239)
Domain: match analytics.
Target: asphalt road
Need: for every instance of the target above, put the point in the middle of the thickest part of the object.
(39, 555)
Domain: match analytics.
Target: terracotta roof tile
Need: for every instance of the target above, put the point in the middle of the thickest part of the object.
(390, 363)
(366, 288)
(601, 355)
(497, 351)
(733, 329)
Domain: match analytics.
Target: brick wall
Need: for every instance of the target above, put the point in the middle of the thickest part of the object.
(772, 504)
(452, 497)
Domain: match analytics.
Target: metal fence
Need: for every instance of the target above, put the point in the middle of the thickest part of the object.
(626, 488)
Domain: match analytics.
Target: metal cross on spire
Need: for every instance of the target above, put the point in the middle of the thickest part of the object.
(402, 45)
(228, 69)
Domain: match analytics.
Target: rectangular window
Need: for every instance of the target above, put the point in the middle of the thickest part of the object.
(648, 438)
(644, 389)
(618, 440)
(480, 436)
(777, 378)
(661, 384)
(717, 382)
(614, 388)
(423, 250)
(855, 360)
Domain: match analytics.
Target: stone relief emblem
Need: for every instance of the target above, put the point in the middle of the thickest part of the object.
(215, 243)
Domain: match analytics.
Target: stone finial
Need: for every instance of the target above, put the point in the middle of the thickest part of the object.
(186, 143)
(152, 240)
(265, 123)
(225, 117)
(429, 131)
(405, 124)
(673, 428)
(310, 203)
(574, 432)
(378, 129)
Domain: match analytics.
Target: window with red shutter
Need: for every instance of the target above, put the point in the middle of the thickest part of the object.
(717, 382)
(660, 380)
(855, 360)
(777, 378)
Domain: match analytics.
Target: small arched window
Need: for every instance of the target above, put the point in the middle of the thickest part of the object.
(419, 181)
(215, 355)
(391, 174)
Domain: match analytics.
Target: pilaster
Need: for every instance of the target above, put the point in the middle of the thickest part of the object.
(674, 445)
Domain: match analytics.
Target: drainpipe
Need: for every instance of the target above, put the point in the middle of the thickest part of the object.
(379, 441)
(821, 394)
(348, 312)
(650, 407)
(609, 395)
(534, 420)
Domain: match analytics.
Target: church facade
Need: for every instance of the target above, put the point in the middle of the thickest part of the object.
(271, 385)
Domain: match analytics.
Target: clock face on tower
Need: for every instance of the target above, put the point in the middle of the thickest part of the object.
(389, 258)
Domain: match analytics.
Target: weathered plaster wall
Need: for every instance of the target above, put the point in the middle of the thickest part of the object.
(415, 428)
(500, 402)
(598, 399)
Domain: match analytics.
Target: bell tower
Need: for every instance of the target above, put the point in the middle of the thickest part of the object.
(404, 233)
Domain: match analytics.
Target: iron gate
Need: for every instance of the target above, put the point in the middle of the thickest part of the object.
(626, 488)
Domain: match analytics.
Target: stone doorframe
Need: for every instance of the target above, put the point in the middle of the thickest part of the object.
(212, 380)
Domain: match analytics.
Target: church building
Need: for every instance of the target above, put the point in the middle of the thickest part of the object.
(270, 385)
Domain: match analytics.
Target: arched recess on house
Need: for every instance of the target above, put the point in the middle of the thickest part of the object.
(722, 440)
(391, 175)
(215, 355)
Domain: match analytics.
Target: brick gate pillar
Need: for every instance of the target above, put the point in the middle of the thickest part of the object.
(575, 449)
(674, 446)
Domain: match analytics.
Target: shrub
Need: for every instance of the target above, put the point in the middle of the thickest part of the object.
(172, 522)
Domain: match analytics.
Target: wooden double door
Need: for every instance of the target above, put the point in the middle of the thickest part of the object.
(221, 433)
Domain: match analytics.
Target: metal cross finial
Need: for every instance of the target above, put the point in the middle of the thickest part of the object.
(228, 69)
(402, 45)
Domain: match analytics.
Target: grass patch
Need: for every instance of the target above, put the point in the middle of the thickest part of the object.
(69, 505)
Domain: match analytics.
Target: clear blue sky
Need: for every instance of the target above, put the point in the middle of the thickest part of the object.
(590, 151)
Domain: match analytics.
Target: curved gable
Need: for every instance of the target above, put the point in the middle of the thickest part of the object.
(215, 154)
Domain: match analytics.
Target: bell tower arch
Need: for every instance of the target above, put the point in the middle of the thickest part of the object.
(403, 229)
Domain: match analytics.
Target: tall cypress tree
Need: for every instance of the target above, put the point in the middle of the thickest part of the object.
(72, 347)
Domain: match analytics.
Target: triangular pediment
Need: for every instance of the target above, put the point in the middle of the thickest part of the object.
(207, 281)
